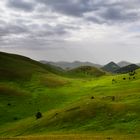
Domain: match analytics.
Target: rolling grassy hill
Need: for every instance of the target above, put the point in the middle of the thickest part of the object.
(87, 71)
(15, 67)
(91, 106)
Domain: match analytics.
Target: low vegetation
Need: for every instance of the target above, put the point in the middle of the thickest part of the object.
(40, 101)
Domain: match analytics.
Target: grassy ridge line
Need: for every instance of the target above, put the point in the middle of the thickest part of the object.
(19, 67)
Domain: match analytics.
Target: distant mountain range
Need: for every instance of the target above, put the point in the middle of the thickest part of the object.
(123, 63)
(71, 65)
(121, 67)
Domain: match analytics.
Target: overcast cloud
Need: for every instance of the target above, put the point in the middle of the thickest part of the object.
(66, 30)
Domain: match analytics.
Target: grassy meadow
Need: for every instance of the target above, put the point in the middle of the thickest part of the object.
(73, 106)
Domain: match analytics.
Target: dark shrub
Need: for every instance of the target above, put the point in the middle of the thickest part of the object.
(92, 97)
(38, 115)
(9, 104)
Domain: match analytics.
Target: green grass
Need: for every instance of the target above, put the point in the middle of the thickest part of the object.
(76, 137)
(65, 102)
(86, 71)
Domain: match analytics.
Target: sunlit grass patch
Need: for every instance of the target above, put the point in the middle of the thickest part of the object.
(51, 80)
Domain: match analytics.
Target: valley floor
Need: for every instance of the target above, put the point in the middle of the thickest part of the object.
(94, 106)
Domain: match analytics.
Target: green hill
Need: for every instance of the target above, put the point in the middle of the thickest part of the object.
(87, 71)
(92, 106)
(16, 67)
(21, 82)
(127, 69)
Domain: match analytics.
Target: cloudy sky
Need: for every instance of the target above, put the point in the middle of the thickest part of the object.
(66, 30)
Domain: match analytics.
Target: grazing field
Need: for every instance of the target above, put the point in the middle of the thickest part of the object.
(75, 137)
(100, 106)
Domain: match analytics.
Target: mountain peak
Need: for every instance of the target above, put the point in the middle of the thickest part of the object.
(111, 63)
(111, 67)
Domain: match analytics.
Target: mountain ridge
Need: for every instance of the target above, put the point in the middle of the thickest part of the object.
(128, 68)
(70, 65)
(110, 67)
(123, 63)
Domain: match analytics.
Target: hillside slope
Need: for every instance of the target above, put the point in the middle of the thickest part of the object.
(87, 71)
(101, 107)
(111, 67)
(16, 67)
(23, 82)
(93, 105)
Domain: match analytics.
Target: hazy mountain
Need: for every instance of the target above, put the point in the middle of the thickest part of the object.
(71, 65)
(123, 63)
(127, 69)
(138, 64)
(111, 67)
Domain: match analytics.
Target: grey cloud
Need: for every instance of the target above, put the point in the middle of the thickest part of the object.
(114, 16)
(21, 5)
(69, 7)
(64, 23)
(104, 11)
(8, 29)
(118, 14)
(36, 31)
(2, 22)
(135, 36)
(46, 30)
(31, 36)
